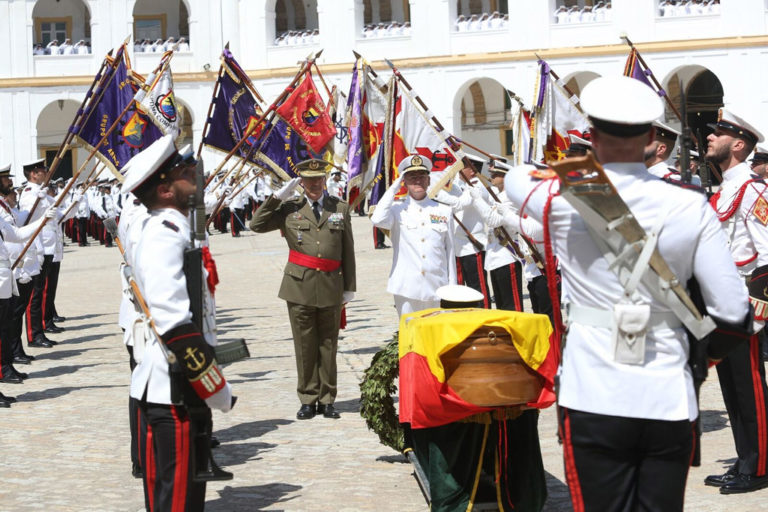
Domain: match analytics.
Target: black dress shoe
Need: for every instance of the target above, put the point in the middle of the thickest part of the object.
(53, 328)
(11, 378)
(5, 404)
(23, 375)
(22, 360)
(382, 246)
(49, 340)
(40, 343)
(307, 412)
(721, 480)
(7, 399)
(215, 443)
(328, 411)
(136, 470)
(58, 318)
(744, 483)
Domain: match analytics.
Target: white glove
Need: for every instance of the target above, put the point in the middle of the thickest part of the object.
(446, 198)
(52, 212)
(475, 192)
(503, 208)
(222, 400)
(24, 277)
(77, 197)
(286, 191)
(347, 297)
(42, 193)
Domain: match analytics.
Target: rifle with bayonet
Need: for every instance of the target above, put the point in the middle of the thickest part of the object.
(686, 140)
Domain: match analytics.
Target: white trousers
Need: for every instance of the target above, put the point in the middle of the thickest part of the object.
(405, 305)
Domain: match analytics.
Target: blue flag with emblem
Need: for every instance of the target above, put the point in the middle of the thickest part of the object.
(133, 131)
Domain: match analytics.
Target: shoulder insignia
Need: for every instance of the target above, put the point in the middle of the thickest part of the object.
(760, 210)
(542, 174)
(171, 225)
(27, 189)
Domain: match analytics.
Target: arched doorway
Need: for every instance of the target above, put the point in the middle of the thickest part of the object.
(186, 122)
(67, 22)
(482, 105)
(52, 126)
(155, 20)
(703, 98)
(576, 81)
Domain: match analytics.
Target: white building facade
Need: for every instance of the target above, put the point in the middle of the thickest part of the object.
(459, 55)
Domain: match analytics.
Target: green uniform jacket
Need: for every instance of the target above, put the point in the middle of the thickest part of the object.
(330, 237)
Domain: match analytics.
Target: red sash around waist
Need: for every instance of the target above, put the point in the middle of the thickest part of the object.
(305, 260)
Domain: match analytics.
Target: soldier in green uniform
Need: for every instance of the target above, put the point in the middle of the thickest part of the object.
(319, 278)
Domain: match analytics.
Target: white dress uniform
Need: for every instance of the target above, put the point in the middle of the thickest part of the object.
(662, 387)
(335, 188)
(423, 249)
(663, 171)
(27, 199)
(9, 233)
(727, 205)
(158, 270)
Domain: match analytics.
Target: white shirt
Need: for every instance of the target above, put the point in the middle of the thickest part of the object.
(662, 170)
(10, 233)
(467, 213)
(691, 242)
(48, 235)
(740, 242)
(158, 270)
(422, 245)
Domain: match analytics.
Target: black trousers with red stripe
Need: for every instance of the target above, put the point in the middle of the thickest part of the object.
(625, 464)
(507, 284)
(236, 220)
(742, 381)
(18, 312)
(49, 295)
(6, 349)
(81, 231)
(168, 464)
(471, 272)
(35, 307)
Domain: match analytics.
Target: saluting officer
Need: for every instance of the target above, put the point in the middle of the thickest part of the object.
(421, 230)
(626, 408)
(319, 278)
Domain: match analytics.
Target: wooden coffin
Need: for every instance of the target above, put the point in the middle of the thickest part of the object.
(486, 370)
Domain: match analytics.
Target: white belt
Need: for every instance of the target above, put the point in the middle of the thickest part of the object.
(604, 318)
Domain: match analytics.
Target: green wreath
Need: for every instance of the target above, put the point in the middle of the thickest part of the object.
(376, 390)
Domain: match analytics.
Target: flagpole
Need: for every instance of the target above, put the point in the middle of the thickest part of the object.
(64, 146)
(656, 82)
(210, 105)
(163, 64)
(307, 63)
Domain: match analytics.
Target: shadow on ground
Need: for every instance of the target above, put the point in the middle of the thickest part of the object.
(253, 497)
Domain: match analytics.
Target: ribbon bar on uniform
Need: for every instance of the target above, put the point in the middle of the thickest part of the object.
(305, 260)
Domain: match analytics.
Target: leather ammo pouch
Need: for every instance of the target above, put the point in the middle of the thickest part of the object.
(630, 325)
(195, 364)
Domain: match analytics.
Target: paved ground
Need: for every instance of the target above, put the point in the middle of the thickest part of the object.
(65, 444)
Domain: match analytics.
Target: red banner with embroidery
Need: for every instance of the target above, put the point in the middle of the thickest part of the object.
(305, 111)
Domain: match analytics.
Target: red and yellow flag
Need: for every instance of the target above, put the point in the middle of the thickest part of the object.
(426, 400)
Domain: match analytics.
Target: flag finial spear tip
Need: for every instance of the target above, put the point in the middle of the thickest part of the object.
(226, 46)
(127, 39)
(389, 63)
(357, 55)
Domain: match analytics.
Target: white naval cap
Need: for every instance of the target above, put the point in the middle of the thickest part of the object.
(37, 163)
(575, 139)
(498, 166)
(160, 156)
(620, 105)
(413, 163)
(665, 132)
(727, 120)
(5, 171)
(457, 295)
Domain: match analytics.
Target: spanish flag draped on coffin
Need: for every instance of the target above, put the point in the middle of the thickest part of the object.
(426, 339)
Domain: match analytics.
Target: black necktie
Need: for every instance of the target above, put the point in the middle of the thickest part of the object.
(316, 209)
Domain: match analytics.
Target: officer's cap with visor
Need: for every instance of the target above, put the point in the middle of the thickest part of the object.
(31, 165)
(760, 157)
(5, 172)
(578, 144)
(414, 163)
(665, 133)
(621, 106)
(152, 166)
(498, 167)
(455, 296)
(737, 126)
(313, 168)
